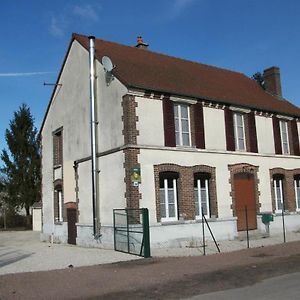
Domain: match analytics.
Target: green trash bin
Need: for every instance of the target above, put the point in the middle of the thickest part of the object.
(266, 218)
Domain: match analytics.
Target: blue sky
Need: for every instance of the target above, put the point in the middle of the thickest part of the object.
(242, 35)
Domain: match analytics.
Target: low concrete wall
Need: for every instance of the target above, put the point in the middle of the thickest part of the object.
(173, 235)
(57, 233)
(190, 234)
(85, 237)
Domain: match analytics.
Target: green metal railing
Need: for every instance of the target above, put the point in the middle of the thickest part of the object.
(131, 231)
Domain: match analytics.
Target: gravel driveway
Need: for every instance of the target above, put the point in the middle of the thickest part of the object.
(22, 251)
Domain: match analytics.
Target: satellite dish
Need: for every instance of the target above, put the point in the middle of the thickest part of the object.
(107, 64)
(108, 67)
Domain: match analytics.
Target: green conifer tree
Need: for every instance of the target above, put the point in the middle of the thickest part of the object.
(22, 161)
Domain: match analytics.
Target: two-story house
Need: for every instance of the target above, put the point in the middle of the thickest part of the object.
(202, 138)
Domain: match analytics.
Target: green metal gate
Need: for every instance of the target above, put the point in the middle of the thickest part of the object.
(131, 231)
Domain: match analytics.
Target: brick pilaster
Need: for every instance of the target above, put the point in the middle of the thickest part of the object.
(130, 133)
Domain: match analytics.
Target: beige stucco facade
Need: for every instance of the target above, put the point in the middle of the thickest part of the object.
(214, 123)
(70, 110)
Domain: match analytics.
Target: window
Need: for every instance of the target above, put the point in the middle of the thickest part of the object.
(58, 205)
(182, 125)
(284, 137)
(201, 195)
(239, 132)
(297, 191)
(278, 192)
(168, 196)
(57, 148)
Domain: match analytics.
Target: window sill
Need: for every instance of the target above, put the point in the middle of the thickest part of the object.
(195, 221)
(185, 147)
(279, 213)
(178, 222)
(242, 150)
(212, 219)
(57, 166)
(58, 222)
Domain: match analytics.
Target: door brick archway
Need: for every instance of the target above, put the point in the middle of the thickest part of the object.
(244, 193)
(245, 208)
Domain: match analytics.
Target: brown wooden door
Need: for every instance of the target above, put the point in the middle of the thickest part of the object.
(244, 188)
(72, 232)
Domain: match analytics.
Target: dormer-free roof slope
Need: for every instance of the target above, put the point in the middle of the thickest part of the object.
(144, 69)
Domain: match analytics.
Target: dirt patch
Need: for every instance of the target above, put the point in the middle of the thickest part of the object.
(133, 263)
(262, 255)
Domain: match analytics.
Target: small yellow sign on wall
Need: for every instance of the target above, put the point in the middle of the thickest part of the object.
(136, 175)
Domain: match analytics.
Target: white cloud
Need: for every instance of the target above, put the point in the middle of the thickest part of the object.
(87, 12)
(60, 23)
(22, 74)
(180, 5)
(57, 26)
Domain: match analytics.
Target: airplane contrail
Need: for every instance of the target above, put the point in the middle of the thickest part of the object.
(22, 74)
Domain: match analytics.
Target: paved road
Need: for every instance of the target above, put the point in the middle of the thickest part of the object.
(281, 287)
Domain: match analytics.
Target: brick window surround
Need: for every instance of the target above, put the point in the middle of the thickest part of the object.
(58, 188)
(243, 168)
(58, 147)
(185, 189)
(288, 187)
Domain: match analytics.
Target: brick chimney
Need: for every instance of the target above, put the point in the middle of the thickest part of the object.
(272, 81)
(141, 44)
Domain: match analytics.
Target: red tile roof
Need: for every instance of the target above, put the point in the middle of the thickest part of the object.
(140, 68)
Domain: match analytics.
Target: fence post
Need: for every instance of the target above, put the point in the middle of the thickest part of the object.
(212, 235)
(247, 226)
(127, 221)
(114, 217)
(146, 232)
(203, 232)
(283, 223)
